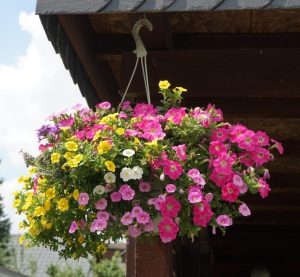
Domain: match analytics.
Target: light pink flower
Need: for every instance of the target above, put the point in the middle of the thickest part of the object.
(209, 197)
(101, 204)
(83, 199)
(126, 219)
(127, 192)
(230, 192)
(156, 202)
(98, 225)
(126, 106)
(134, 231)
(194, 195)
(170, 207)
(73, 227)
(144, 186)
(136, 211)
(243, 189)
(170, 188)
(244, 210)
(172, 169)
(168, 229)
(148, 227)
(143, 217)
(278, 146)
(180, 151)
(103, 105)
(237, 180)
(195, 175)
(115, 196)
(224, 220)
(264, 188)
(142, 110)
(103, 215)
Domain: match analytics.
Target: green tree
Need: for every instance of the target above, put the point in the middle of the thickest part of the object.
(67, 271)
(5, 249)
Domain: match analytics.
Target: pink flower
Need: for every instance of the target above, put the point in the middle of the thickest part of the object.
(83, 199)
(224, 220)
(126, 219)
(237, 133)
(170, 188)
(143, 217)
(244, 210)
(144, 186)
(230, 192)
(101, 204)
(142, 110)
(194, 195)
(149, 227)
(127, 192)
(173, 169)
(180, 151)
(237, 180)
(223, 164)
(104, 105)
(136, 211)
(73, 227)
(126, 106)
(220, 179)
(217, 147)
(209, 197)
(170, 206)
(264, 188)
(202, 214)
(134, 231)
(103, 215)
(98, 225)
(261, 139)
(175, 115)
(156, 202)
(248, 141)
(243, 189)
(220, 134)
(278, 146)
(195, 175)
(115, 196)
(82, 223)
(260, 156)
(245, 158)
(167, 229)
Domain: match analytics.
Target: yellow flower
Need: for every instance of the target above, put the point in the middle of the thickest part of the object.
(34, 229)
(63, 205)
(110, 166)
(65, 128)
(164, 84)
(101, 248)
(152, 143)
(71, 146)
(42, 181)
(75, 194)
(55, 157)
(16, 203)
(74, 162)
(179, 90)
(120, 131)
(97, 135)
(39, 211)
(32, 170)
(21, 239)
(136, 141)
(103, 147)
(80, 239)
(47, 205)
(28, 201)
(23, 179)
(69, 155)
(50, 193)
(48, 225)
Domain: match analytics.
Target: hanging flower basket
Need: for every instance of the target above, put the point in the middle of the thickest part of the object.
(145, 171)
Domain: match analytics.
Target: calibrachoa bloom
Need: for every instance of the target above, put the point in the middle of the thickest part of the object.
(142, 171)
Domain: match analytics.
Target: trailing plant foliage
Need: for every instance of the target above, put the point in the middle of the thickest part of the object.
(144, 171)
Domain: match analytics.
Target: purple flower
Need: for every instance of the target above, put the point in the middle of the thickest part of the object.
(73, 227)
(244, 210)
(83, 199)
(127, 192)
(115, 196)
(126, 219)
(134, 231)
(46, 130)
(98, 225)
(143, 217)
(144, 186)
(101, 204)
(66, 122)
(103, 215)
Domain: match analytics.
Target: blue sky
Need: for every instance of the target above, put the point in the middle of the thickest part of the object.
(33, 85)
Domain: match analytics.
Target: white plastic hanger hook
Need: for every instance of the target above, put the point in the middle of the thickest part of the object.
(140, 50)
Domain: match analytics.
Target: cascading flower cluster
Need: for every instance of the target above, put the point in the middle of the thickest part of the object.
(143, 171)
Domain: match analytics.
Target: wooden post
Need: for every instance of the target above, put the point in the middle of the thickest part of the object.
(149, 258)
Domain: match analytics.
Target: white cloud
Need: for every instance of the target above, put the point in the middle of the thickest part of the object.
(32, 89)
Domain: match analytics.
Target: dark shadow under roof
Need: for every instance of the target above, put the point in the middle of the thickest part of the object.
(115, 6)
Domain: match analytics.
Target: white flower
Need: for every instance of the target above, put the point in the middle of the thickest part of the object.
(162, 177)
(128, 152)
(99, 189)
(137, 173)
(110, 178)
(126, 174)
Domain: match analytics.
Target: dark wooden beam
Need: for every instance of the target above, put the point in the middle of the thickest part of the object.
(79, 32)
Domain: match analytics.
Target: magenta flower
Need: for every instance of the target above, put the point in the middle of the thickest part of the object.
(134, 231)
(194, 195)
(170, 188)
(220, 135)
(168, 229)
(260, 156)
(73, 227)
(175, 115)
(144, 186)
(143, 217)
(244, 210)
(245, 158)
(142, 110)
(224, 220)
(126, 106)
(224, 163)
(261, 139)
(217, 147)
(180, 151)
(103, 215)
(173, 169)
(202, 214)
(248, 141)
(83, 199)
(115, 196)
(104, 105)
(278, 146)
(220, 179)
(264, 188)
(237, 133)
(98, 225)
(127, 193)
(170, 207)
(230, 192)
(101, 204)
(126, 219)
